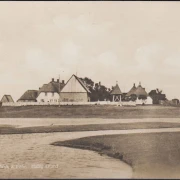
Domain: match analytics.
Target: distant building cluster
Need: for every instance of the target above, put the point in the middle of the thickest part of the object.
(73, 91)
(78, 90)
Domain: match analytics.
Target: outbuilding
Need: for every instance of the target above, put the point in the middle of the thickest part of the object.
(75, 91)
(7, 98)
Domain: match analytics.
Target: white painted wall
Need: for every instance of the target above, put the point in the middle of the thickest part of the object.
(147, 101)
(48, 98)
(130, 103)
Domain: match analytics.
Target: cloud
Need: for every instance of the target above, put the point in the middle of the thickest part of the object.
(107, 59)
(148, 57)
(70, 53)
(35, 59)
(82, 24)
(40, 64)
(63, 21)
(91, 27)
(173, 60)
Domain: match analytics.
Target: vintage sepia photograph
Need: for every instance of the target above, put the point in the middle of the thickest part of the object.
(89, 89)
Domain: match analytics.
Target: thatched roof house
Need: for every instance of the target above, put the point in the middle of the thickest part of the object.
(7, 98)
(132, 90)
(52, 86)
(50, 92)
(29, 96)
(140, 91)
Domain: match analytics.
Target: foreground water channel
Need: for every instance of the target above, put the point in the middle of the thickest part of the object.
(32, 156)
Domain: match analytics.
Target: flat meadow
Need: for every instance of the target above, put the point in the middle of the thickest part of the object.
(90, 111)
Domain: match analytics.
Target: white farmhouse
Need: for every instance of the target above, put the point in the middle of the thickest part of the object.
(50, 92)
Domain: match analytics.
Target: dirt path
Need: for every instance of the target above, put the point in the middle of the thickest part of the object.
(60, 162)
(29, 122)
(21, 153)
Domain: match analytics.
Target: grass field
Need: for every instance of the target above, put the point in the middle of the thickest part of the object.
(153, 155)
(5, 129)
(95, 111)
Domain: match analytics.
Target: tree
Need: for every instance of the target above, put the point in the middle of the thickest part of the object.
(157, 95)
(133, 97)
(98, 91)
(143, 97)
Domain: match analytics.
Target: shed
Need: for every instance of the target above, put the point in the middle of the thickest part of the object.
(7, 98)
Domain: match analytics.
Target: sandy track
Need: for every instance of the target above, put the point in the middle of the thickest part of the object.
(33, 149)
(55, 162)
(29, 122)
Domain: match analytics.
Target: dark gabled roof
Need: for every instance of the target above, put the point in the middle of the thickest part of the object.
(51, 87)
(132, 90)
(29, 95)
(7, 98)
(116, 90)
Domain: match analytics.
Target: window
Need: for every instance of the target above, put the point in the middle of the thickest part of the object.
(55, 100)
(52, 94)
(45, 93)
(51, 100)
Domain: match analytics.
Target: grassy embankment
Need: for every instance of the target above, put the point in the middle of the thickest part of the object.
(7, 129)
(153, 155)
(95, 111)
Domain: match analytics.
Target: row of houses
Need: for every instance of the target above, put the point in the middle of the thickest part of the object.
(138, 92)
(75, 90)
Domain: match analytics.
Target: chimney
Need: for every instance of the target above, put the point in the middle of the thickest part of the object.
(134, 85)
(52, 79)
(100, 83)
(57, 80)
(39, 88)
(63, 82)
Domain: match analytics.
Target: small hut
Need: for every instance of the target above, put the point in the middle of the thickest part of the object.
(175, 101)
(116, 93)
(7, 98)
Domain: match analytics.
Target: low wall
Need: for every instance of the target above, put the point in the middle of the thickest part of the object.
(130, 103)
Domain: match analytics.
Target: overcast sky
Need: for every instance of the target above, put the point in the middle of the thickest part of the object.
(126, 42)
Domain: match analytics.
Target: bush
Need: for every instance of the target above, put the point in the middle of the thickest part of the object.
(133, 97)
